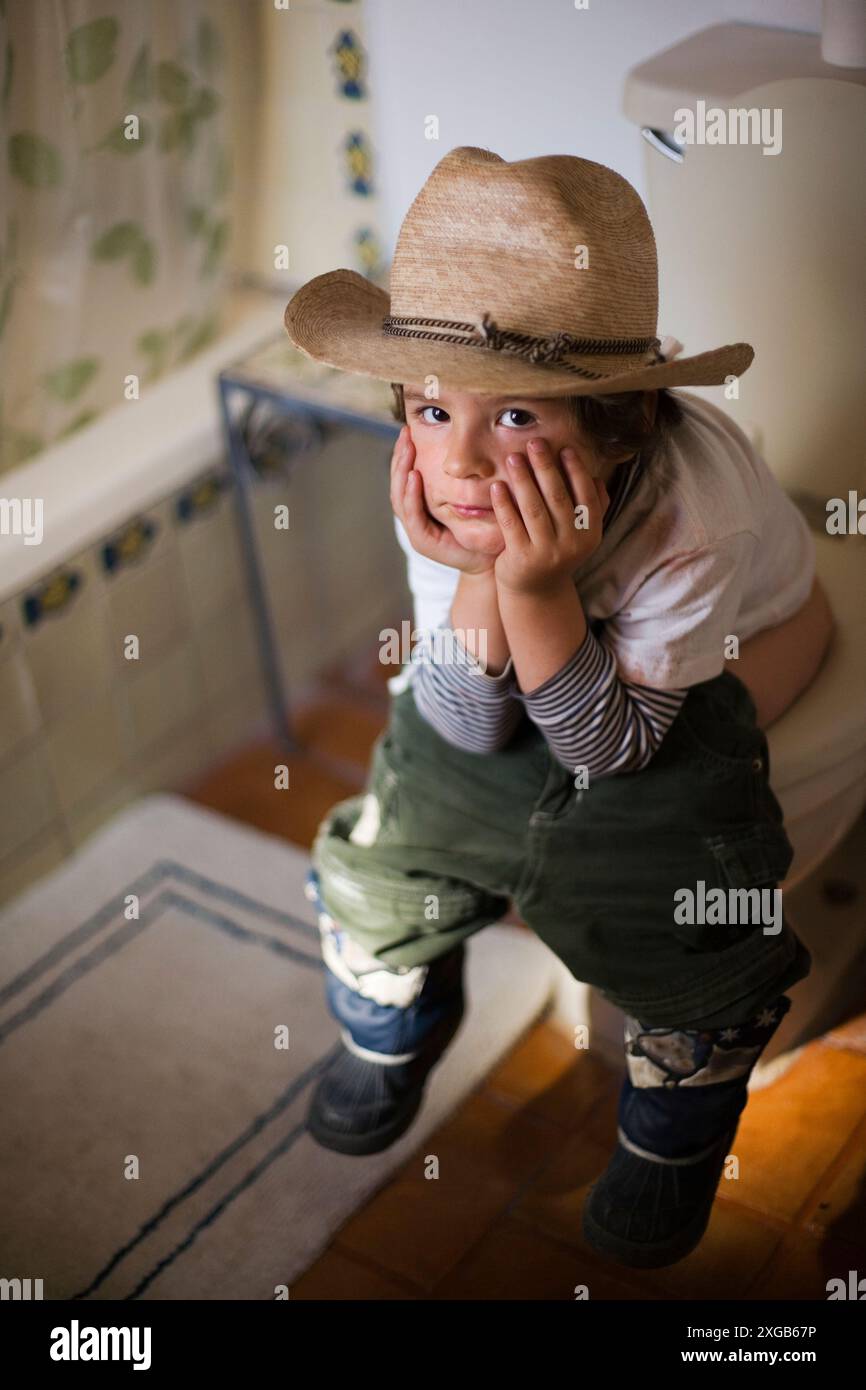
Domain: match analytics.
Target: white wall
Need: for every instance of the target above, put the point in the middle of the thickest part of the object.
(524, 77)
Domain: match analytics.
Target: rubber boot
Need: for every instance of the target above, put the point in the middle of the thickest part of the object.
(395, 1026)
(679, 1110)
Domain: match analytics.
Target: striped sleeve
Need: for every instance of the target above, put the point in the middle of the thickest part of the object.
(593, 719)
(469, 708)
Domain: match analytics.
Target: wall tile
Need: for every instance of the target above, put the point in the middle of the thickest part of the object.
(20, 707)
(145, 594)
(228, 650)
(163, 696)
(67, 648)
(85, 731)
(210, 558)
(177, 762)
(49, 850)
(86, 747)
(28, 798)
(89, 815)
(240, 720)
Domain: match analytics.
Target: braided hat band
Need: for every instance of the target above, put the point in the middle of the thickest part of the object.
(504, 254)
(486, 333)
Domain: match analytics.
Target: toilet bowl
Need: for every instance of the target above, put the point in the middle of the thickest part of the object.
(818, 746)
(818, 773)
(817, 754)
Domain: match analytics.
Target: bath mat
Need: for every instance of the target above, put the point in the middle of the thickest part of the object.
(153, 1143)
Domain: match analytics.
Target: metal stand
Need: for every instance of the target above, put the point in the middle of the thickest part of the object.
(234, 382)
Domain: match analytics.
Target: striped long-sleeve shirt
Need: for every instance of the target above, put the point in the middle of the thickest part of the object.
(590, 717)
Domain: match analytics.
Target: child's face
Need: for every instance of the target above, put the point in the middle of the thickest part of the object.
(462, 441)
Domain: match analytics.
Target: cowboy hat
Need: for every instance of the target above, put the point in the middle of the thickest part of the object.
(538, 276)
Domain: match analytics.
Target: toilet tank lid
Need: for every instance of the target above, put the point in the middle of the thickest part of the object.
(717, 64)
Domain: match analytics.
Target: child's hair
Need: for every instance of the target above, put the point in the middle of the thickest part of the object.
(611, 424)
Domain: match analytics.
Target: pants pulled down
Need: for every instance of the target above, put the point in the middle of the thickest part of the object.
(615, 878)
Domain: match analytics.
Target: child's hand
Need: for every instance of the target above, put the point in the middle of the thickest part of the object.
(426, 535)
(543, 545)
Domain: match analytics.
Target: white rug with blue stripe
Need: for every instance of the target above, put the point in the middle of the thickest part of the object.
(153, 1143)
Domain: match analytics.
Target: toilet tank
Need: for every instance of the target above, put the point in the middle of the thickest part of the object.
(767, 248)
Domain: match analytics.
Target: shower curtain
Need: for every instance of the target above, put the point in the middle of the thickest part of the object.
(113, 204)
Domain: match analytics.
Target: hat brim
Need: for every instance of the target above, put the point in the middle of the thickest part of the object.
(336, 318)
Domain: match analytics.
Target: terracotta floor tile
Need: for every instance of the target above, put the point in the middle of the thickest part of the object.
(488, 1130)
(339, 727)
(243, 788)
(419, 1227)
(336, 1275)
(735, 1248)
(553, 1201)
(552, 1080)
(513, 1261)
(735, 1244)
(792, 1131)
(801, 1267)
(838, 1208)
(539, 1057)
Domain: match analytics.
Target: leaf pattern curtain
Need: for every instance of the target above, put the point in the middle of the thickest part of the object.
(114, 186)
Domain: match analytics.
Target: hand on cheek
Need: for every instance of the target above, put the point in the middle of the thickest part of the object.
(550, 517)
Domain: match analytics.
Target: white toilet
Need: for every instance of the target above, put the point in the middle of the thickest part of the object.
(818, 773)
(818, 746)
(768, 249)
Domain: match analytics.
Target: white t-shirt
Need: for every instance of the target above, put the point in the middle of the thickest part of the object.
(708, 546)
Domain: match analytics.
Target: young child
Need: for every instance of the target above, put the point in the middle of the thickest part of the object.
(592, 547)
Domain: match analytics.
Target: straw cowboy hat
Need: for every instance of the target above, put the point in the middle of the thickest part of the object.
(537, 276)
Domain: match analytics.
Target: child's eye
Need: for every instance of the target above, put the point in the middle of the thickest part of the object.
(419, 413)
(518, 424)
